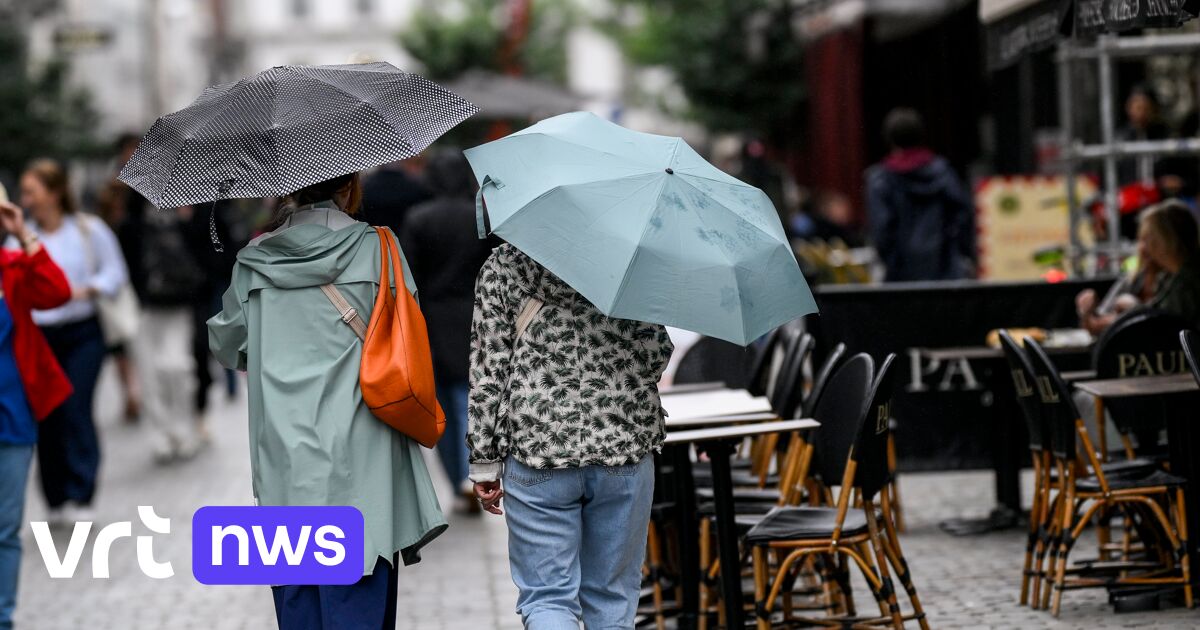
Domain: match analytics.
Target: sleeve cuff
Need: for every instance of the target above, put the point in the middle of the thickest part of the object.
(484, 472)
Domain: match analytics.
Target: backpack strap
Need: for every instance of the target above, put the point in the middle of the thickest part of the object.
(529, 311)
(348, 313)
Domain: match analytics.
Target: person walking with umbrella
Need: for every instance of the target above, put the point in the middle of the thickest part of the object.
(313, 439)
(611, 234)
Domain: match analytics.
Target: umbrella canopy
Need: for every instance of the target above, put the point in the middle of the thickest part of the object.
(642, 227)
(288, 127)
(503, 96)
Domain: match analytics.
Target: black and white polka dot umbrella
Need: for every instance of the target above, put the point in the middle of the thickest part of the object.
(288, 127)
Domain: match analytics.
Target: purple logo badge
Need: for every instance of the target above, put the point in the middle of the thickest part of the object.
(277, 545)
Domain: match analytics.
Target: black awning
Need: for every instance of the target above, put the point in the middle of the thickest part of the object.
(1042, 24)
(1033, 28)
(1093, 17)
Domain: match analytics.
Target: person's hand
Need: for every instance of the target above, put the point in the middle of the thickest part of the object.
(1085, 303)
(489, 494)
(12, 220)
(84, 293)
(1125, 303)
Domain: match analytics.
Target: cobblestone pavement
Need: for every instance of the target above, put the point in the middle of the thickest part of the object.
(464, 580)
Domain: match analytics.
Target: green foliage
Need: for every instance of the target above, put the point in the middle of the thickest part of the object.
(737, 61)
(461, 35)
(40, 114)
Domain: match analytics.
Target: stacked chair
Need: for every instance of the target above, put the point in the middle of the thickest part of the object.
(781, 480)
(850, 454)
(1074, 488)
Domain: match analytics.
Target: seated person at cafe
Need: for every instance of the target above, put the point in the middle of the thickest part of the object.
(1168, 249)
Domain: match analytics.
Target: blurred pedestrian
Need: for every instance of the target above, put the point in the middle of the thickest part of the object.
(1143, 121)
(171, 280)
(116, 203)
(392, 190)
(1169, 248)
(922, 220)
(88, 253)
(564, 407)
(313, 441)
(445, 255)
(229, 221)
(31, 382)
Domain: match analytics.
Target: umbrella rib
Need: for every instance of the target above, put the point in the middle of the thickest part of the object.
(727, 209)
(724, 254)
(628, 264)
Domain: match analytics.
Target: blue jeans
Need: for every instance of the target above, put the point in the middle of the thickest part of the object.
(576, 542)
(14, 473)
(452, 448)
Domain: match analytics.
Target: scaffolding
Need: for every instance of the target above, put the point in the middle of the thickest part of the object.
(1104, 52)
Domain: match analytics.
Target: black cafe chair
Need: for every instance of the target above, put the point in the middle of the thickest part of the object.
(1085, 490)
(760, 361)
(1190, 341)
(757, 487)
(851, 448)
(1039, 541)
(1031, 411)
(1144, 342)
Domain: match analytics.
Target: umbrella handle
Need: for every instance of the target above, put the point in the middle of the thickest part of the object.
(481, 218)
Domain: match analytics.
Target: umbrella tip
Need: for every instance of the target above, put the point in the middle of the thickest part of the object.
(670, 171)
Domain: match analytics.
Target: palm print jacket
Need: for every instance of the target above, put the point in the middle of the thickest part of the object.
(578, 389)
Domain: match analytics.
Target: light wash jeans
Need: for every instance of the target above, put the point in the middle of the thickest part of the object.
(576, 542)
(14, 473)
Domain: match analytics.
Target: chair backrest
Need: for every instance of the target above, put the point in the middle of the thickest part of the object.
(760, 362)
(1141, 343)
(832, 362)
(789, 384)
(1144, 342)
(1190, 341)
(1059, 409)
(871, 446)
(840, 412)
(1025, 385)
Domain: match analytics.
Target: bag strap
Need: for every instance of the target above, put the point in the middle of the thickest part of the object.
(482, 222)
(529, 311)
(348, 313)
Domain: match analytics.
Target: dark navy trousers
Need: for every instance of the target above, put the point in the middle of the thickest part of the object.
(368, 604)
(68, 448)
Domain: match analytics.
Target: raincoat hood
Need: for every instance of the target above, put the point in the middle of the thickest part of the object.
(310, 254)
(919, 171)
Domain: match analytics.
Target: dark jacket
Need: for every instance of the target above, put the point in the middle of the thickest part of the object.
(388, 195)
(1179, 294)
(922, 219)
(440, 242)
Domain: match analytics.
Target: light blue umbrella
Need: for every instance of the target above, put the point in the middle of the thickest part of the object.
(642, 227)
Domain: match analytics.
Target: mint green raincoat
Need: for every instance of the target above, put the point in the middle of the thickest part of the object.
(312, 440)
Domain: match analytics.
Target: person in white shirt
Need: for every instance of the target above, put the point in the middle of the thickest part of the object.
(88, 253)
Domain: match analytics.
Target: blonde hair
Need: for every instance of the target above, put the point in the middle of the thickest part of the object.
(53, 176)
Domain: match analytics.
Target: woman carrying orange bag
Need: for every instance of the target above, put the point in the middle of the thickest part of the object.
(313, 438)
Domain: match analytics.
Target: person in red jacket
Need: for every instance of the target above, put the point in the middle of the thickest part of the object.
(31, 382)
